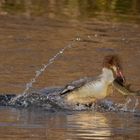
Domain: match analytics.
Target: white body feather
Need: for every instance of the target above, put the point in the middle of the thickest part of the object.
(93, 90)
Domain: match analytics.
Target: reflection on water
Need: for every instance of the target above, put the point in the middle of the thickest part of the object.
(73, 9)
(90, 125)
(37, 124)
(33, 31)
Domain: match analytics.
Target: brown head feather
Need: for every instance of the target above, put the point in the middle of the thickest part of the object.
(112, 60)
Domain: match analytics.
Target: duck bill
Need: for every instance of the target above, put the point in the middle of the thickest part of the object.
(120, 75)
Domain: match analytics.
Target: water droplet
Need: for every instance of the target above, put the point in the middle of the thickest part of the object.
(95, 35)
(89, 37)
(38, 72)
(61, 52)
(78, 38)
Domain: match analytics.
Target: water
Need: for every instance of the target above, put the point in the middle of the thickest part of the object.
(39, 124)
(45, 66)
(125, 108)
(34, 31)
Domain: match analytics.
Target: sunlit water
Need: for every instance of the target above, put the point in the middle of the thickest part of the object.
(34, 32)
(38, 124)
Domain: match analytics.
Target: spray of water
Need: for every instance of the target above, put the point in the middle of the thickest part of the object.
(51, 61)
(136, 104)
(45, 66)
(128, 100)
(125, 107)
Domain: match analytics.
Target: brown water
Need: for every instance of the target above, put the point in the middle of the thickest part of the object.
(31, 32)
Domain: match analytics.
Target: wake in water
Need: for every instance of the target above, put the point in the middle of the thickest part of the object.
(50, 99)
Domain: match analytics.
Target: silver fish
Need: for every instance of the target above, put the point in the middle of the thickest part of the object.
(124, 90)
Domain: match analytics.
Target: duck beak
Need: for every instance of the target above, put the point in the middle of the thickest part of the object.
(120, 75)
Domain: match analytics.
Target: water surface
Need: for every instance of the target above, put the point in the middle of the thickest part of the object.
(34, 31)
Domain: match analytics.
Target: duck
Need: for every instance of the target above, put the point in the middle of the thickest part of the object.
(90, 89)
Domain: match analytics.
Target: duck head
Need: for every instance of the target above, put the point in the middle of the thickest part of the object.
(112, 65)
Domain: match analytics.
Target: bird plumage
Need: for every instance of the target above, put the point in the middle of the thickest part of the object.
(89, 89)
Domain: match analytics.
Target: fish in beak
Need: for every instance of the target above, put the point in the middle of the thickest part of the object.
(119, 75)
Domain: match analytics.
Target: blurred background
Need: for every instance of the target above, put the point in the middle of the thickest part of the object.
(72, 9)
(33, 31)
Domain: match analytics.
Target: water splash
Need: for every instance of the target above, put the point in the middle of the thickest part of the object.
(106, 105)
(45, 66)
(125, 107)
(136, 104)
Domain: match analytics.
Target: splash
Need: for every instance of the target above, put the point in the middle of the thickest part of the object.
(136, 104)
(45, 66)
(26, 97)
(125, 107)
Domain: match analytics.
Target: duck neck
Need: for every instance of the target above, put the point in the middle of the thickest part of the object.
(107, 76)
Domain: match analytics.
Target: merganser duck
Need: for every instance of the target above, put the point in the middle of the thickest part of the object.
(88, 90)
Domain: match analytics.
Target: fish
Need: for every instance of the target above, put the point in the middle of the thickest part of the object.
(124, 90)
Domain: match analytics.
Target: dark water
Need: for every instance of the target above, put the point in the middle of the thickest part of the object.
(33, 31)
(116, 10)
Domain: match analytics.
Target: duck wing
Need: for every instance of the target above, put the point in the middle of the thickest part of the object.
(75, 85)
(50, 90)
